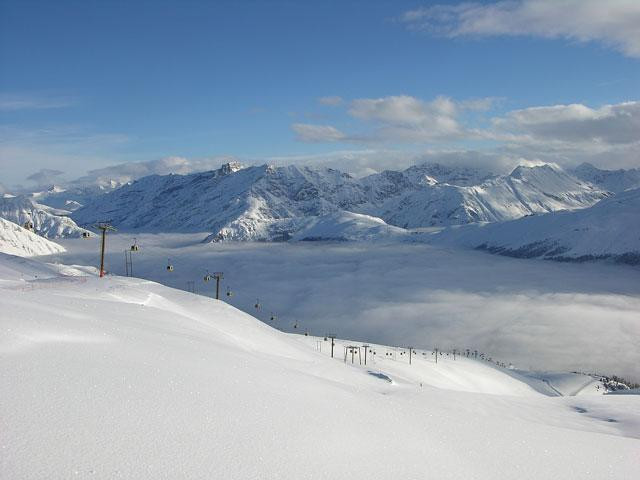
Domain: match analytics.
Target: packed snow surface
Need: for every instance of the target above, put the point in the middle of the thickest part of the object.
(125, 378)
(16, 240)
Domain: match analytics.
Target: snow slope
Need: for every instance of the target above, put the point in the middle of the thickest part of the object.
(274, 203)
(47, 221)
(609, 229)
(16, 240)
(108, 378)
(347, 226)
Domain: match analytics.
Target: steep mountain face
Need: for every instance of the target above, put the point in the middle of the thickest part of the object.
(15, 240)
(610, 229)
(47, 221)
(610, 180)
(274, 203)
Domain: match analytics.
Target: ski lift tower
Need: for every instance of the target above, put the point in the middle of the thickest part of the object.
(104, 227)
(218, 276)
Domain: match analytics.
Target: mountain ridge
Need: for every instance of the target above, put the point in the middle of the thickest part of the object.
(266, 202)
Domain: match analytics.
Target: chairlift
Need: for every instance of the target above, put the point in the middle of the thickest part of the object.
(229, 292)
(207, 277)
(295, 325)
(257, 306)
(86, 235)
(273, 317)
(135, 247)
(169, 266)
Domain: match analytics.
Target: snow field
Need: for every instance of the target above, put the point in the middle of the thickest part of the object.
(126, 378)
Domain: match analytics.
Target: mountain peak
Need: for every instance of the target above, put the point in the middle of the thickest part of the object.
(230, 167)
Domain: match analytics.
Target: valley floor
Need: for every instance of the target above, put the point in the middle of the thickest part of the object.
(126, 378)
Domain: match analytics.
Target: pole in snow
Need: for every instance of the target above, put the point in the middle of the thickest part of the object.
(218, 276)
(366, 347)
(104, 226)
(332, 336)
(410, 354)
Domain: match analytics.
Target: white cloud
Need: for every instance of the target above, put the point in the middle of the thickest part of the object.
(15, 102)
(69, 148)
(576, 123)
(612, 22)
(607, 136)
(406, 110)
(127, 172)
(360, 163)
(331, 101)
(400, 119)
(45, 176)
(317, 133)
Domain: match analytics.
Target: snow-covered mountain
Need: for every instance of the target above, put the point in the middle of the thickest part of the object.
(71, 197)
(273, 203)
(524, 191)
(47, 221)
(15, 240)
(609, 229)
(611, 180)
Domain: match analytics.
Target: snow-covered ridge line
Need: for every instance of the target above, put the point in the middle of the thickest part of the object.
(608, 230)
(276, 203)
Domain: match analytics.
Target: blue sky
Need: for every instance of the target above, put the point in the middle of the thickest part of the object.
(86, 84)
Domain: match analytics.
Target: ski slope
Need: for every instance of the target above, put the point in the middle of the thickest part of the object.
(125, 378)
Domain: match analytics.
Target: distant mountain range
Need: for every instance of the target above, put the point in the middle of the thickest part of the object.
(534, 211)
(273, 203)
(614, 181)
